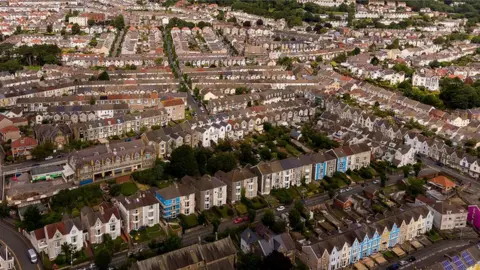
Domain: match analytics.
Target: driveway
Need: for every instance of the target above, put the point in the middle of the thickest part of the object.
(19, 245)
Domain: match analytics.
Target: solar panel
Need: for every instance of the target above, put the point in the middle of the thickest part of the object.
(458, 263)
(468, 259)
(447, 265)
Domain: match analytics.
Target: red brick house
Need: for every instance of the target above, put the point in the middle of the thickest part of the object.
(23, 147)
(343, 201)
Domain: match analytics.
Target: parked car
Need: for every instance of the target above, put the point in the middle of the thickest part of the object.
(245, 218)
(402, 263)
(49, 157)
(281, 208)
(32, 255)
(412, 259)
(237, 220)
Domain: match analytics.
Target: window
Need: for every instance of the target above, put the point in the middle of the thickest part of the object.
(74, 239)
(112, 227)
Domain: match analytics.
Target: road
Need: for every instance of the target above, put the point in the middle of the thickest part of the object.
(194, 106)
(433, 254)
(18, 244)
(464, 178)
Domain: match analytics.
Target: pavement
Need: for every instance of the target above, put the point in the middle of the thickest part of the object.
(19, 245)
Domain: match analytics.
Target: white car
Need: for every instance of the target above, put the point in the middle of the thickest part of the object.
(281, 208)
(403, 263)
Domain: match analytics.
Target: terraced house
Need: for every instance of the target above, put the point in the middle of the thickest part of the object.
(175, 200)
(291, 171)
(110, 160)
(348, 248)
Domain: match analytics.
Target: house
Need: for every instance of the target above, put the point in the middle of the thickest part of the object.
(239, 180)
(221, 254)
(139, 210)
(447, 216)
(59, 134)
(9, 133)
(175, 109)
(474, 216)
(176, 199)
(105, 221)
(346, 248)
(110, 160)
(343, 201)
(264, 242)
(5, 121)
(442, 184)
(426, 78)
(50, 238)
(209, 191)
(7, 260)
(23, 147)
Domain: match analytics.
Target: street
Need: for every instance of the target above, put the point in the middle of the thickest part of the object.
(434, 253)
(19, 245)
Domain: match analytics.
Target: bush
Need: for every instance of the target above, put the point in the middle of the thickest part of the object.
(60, 260)
(282, 195)
(230, 211)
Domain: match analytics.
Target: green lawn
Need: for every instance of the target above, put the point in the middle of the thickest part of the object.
(389, 255)
(434, 236)
(128, 188)
(189, 221)
(148, 234)
(258, 203)
(241, 208)
(292, 150)
(211, 215)
(390, 189)
(223, 211)
(272, 201)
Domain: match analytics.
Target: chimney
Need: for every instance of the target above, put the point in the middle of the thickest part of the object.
(216, 236)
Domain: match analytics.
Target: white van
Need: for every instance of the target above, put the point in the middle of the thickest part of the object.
(32, 255)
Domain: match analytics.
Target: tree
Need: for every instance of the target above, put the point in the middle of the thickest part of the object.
(415, 187)
(375, 61)
(265, 153)
(104, 76)
(67, 250)
(434, 64)
(439, 40)
(119, 22)
(356, 51)
(268, 218)
(159, 61)
(215, 224)
(247, 24)
(294, 218)
(417, 167)
(383, 180)
(259, 22)
(43, 150)
(251, 215)
(49, 28)
(406, 171)
(90, 22)
(308, 29)
(93, 42)
(249, 261)
(4, 210)
(276, 261)
(103, 259)
(183, 162)
(299, 207)
(76, 29)
(32, 219)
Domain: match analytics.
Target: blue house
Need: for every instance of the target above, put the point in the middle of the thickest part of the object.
(394, 233)
(321, 164)
(343, 155)
(171, 199)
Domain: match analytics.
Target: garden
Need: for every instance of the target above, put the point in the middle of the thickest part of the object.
(148, 233)
(218, 212)
(188, 222)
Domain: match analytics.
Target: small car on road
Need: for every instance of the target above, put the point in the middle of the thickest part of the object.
(280, 208)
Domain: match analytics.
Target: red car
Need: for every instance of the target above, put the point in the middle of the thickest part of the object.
(238, 220)
(245, 218)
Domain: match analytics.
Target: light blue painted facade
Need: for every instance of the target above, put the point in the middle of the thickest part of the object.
(342, 164)
(394, 233)
(169, 208)
(320, 170)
